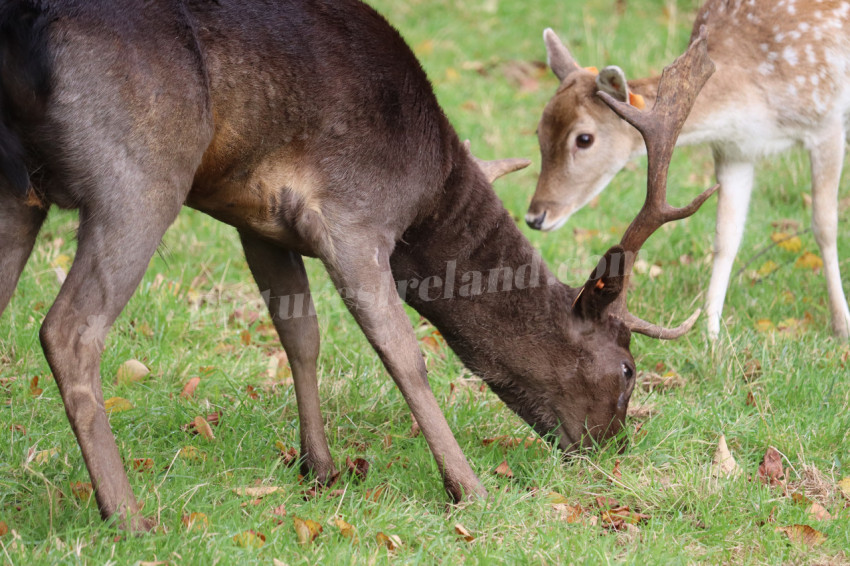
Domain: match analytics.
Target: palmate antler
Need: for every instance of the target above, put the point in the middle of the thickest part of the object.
(680, 84)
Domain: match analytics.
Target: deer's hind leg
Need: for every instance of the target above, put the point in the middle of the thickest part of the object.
(827, 157)
(283, 283)
(19, 226)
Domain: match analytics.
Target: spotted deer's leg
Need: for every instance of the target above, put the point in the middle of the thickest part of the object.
(365, 281)
(283, 283)
(19, 225)
(827, 157)
(736, 186)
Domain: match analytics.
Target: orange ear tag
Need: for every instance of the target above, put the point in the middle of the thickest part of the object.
(600, 284)
(592, 70)
(637, 101)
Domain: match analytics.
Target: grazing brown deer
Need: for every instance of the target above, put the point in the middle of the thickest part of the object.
(310, 127)
(783, 78)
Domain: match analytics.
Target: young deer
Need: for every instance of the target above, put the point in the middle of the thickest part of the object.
(310, 127)
(783, 78)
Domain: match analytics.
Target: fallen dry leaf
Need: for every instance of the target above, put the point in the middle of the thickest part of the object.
(764, 325)
(117, 405)
(818, 512)
(669, 380)
(196, 521)
(464, 533)
(358, 468)
(767, 268)
(844, 487)
(752, 370)
(82, 490)
(618, 517)
(724, 465)
(555, 498)
(131, 371)
(809, 261)
(306, 530)
(192, 454)
(803, 534)
(250, 539)
(391, 542)
(787, 242)
(258, 491)
(43, 456)
(374, 494)
(288, 455)
(189, 388)
(203, 428)
(616, 473)
(4, 528)
(143, 465)
(568, 513)
(345, 529)
(770, 470)
(35, 390)
(504, 470)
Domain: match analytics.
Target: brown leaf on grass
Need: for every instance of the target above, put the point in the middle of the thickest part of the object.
(306, 530)
(569, 513)
(432, 343)
(203, 428)
(143, 465)
(313, 493)
(256, 491)
(809, 261)
(35, 390)
(391, 542)
(189, 388)
(751, 399)
(14, 427)
(195, 521)
(525, 75)
(192, 454)
(815, 510)
(358, 468)
(752, 370)
(844, 488)
(724, 465)
(555, 498)
(131, 371)
(770, 470)
(345, 529)
(374, 494)
(764, 325)
(289, 456)
(504, 470)
(82, 490)
(606, 502)
(802, 534)
(669, 380)
(4, 528)
(463, 533)
(251, 392)
(250, 539)
(245, 337)
(641, 411)
(616, 473)
(618, 517)
(117, 405)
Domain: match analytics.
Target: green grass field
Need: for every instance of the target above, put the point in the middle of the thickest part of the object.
(776, 378)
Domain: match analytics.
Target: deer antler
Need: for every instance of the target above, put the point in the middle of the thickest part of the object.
(680, 84)
(498, 168)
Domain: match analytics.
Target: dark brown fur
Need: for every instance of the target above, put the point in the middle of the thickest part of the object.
(311, 128)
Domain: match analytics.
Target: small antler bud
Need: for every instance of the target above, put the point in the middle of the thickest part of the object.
(498, 168)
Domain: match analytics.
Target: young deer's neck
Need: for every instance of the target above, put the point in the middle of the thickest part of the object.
(469, 270)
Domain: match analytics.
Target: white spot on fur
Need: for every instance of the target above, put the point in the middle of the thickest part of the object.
(790, 55)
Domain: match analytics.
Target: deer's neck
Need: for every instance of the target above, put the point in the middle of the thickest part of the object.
(469, 270)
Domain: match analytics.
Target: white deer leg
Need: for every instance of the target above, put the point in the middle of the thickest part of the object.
(736, 186)
(827, 156)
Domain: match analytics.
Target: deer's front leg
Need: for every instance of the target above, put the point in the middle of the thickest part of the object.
(283, 282)
(827, 157)
(733, 200)
(365, 281)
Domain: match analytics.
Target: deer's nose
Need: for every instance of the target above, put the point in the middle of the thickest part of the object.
(535, 220)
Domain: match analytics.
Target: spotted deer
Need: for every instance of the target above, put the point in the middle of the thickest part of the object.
(310, 126)
(783, 79)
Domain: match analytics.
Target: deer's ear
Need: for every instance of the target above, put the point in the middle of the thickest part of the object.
(613, 81)
(558, 56)
(603, 287)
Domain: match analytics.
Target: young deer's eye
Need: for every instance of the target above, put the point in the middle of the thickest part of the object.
(584, 141)
(628, 372)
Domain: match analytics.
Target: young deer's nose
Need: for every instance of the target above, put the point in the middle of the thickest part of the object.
(535, 220)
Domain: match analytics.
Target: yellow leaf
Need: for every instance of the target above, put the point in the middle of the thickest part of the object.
(555, 498)
(809, 261)
(61, 261)
(569, 513)
(203, 428)
(44, 456)
(844, 486)
(131, 371)
(764, 325)
(250, 539)
(787, 242)
(345, 529)
(391, 542)
(452, 74)
(767, 268)
(192, 454)
(116, 405)
(306, 530)
(803, 534)
(82, 490)
(424, 48)
(463, 533)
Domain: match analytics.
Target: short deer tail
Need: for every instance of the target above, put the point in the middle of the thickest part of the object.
(24, 86)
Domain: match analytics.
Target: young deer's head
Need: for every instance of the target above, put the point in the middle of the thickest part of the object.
(582, 143)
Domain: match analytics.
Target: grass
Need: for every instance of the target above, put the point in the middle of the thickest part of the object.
(180, 325)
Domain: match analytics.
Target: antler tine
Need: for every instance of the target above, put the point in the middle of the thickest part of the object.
(498, 168)
(680, 84)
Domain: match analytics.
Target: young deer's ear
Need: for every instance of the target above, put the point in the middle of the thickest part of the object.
(603, 287)
(558, 56)
(613, 81)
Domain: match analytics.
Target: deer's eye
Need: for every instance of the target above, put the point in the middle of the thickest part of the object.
(584, 141)
(628, 372)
